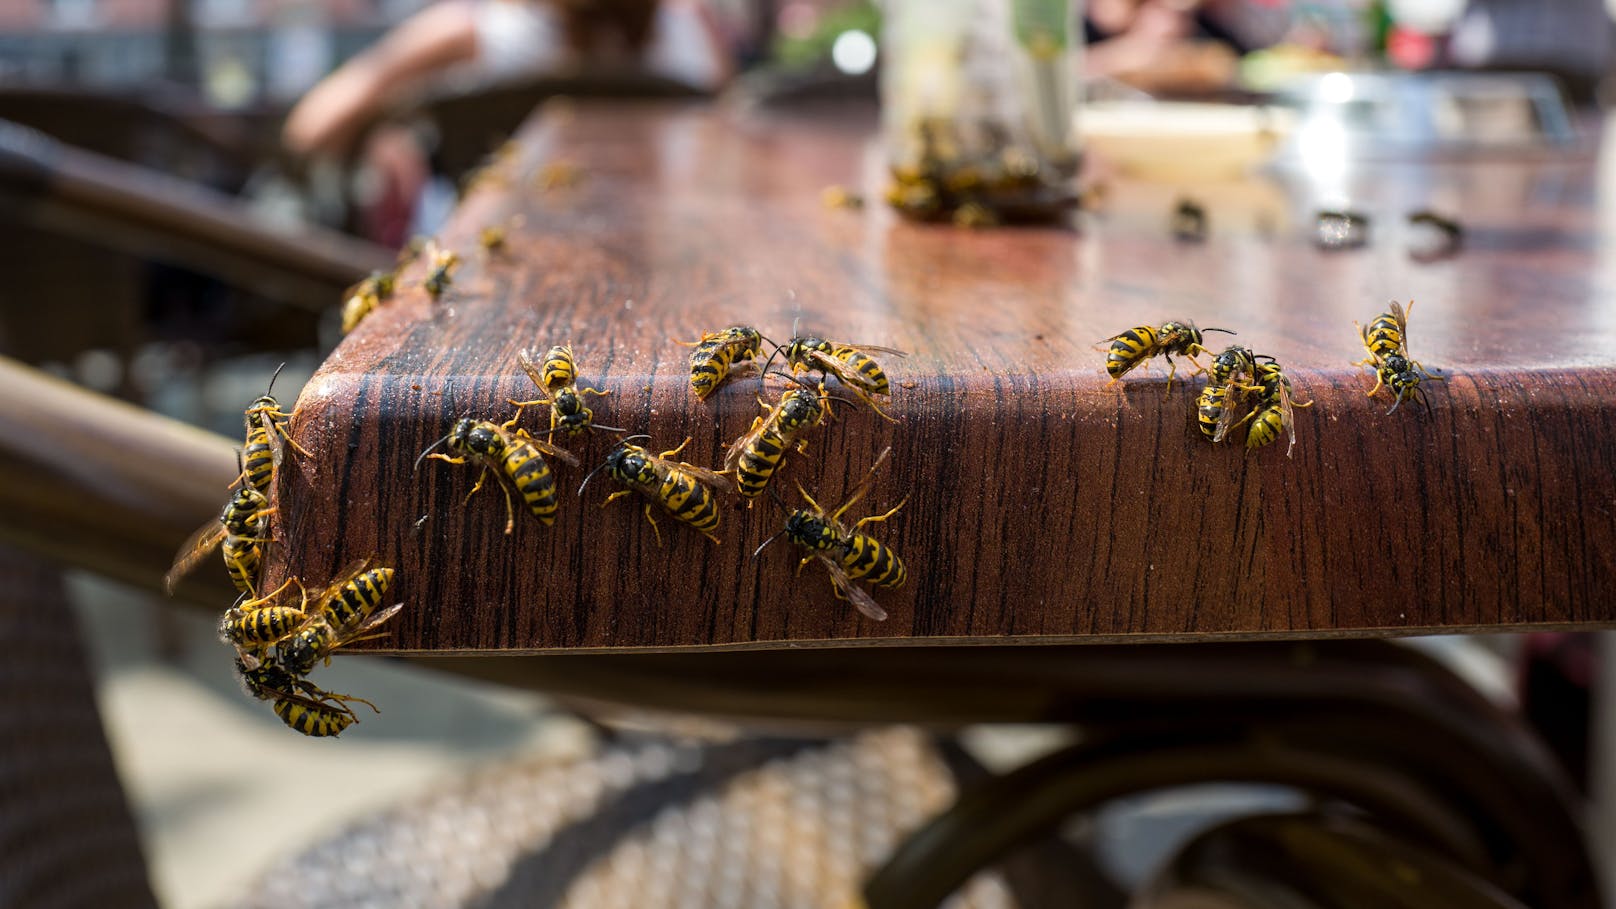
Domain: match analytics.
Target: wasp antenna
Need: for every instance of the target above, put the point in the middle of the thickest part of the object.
(766, 543)
(591, 476)
(1227, 331)
(607, 428)
(272, 378)
(429, 450)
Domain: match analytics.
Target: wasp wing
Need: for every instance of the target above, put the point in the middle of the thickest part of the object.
(846, 588)
(1226, 421)
(871, 348)
(546, 448)
(702, 474)
(197, 546)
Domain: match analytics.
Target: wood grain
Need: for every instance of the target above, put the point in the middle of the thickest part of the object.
(1043, 506)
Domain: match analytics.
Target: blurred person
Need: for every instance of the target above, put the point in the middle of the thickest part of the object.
(484, 42)
(1184, 46)
(491, 41)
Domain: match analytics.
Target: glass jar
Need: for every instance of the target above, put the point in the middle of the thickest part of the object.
(978, 99)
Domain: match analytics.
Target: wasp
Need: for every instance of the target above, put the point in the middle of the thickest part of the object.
(1136, 345)
(240, 531)
(557, 381)
(852, 365)
(363, 298)
(265, 425)
(1273, 414)
(717, 352)
(343, 610)
(1215, 410)
(683, 490)
(846, 552)
(515, 459)
(492, 238)
(299, 703)
(438, 279)
(754, 457)
(1386, 339)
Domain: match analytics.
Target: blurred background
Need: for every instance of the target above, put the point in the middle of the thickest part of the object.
(187, 187)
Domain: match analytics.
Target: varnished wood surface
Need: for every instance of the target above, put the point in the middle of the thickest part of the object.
(1043, 506)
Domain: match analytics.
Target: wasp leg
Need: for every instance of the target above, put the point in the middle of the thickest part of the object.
(291, 441)
(804, 564)
(669, 454)
(876, 519)
(257, 602)
(510, 511)
(593, 391)
(614, 497)
(1379, 381)
(867, 398)
(445, 458)
(476, 486)
(713, 536)
(654, 528)
(521, 408)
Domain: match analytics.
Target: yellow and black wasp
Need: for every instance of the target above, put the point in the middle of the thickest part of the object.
(557, 381)
(846, 552)
(265, 425)
(1274, 413)
(1232, 372)
(300, 704)
(514, 458)
(753, 458)
(851, 364)
(240, 533)
(1132, 348)
(340, 613)
(363, 298)
(1386, 339)
(438, 279)
(719, 352)
(682, 490)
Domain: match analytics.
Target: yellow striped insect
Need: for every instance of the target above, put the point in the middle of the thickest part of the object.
(240, 533)
(1274, 413)
(363, 298)
(557, 381)
(1386, 339)
(1231, 373)
(851, 364)
(440, 276)
(515, 460)
(717, 353)
(1132, 348)
(265, 425)
(344, 609)
(301, 705)
(847, 553)
(683, 490)
(753, 458)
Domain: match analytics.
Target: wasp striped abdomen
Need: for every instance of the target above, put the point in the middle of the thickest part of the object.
(357, 599)
(257, 628)
(1129, 349)
(755, 457)
(317, 720)
(717, 352)
(869, 559)
(533, 479)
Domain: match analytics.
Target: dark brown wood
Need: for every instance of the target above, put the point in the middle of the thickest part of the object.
(1043, 505)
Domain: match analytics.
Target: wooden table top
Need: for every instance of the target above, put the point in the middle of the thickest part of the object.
(1043, 506)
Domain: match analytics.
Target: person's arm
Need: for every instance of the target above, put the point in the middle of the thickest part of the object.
(331, 115)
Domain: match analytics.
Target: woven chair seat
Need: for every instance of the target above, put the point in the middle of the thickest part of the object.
(752, 823)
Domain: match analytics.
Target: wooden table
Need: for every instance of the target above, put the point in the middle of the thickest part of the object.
(1043, 506)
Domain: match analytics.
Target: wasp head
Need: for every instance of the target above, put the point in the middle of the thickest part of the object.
(629, 464)
(799, 408)
(809, 529)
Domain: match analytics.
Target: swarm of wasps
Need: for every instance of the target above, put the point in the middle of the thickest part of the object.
(277, 642)
(1238, 375)
(519, 460)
